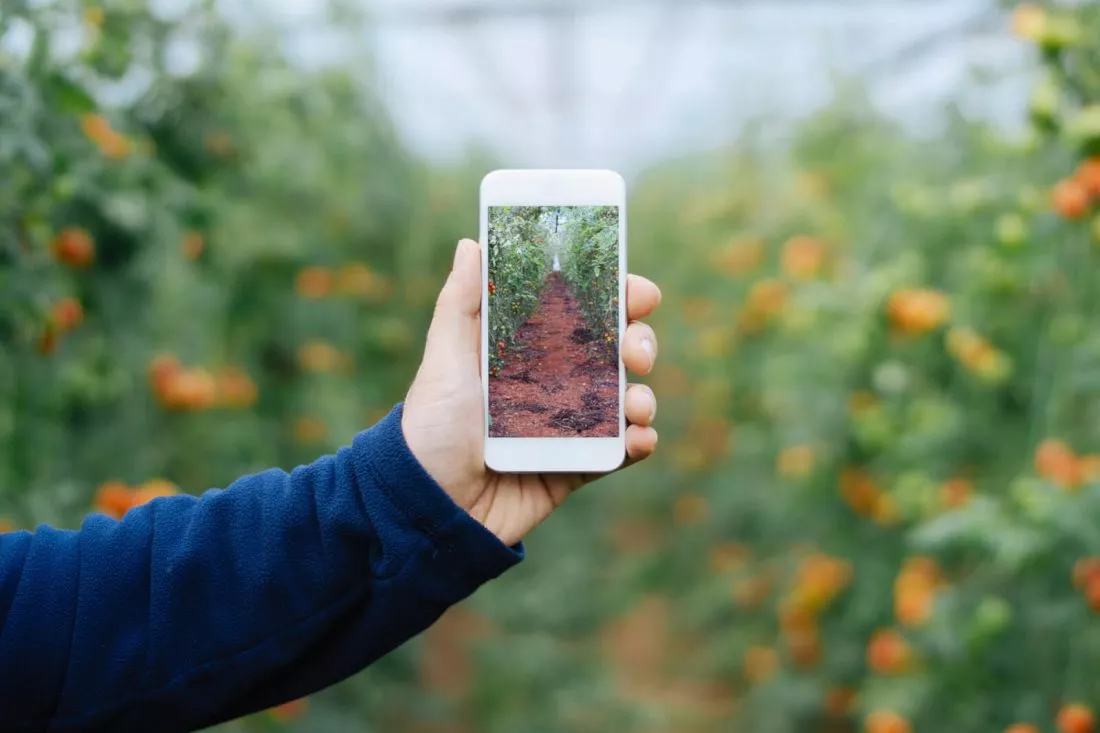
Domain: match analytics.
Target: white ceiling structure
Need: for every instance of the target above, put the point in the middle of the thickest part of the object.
(622, 83)
(619, 83)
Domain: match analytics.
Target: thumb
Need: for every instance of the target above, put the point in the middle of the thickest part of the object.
(456, 329)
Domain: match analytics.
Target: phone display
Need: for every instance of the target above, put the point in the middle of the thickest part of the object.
(553, 314)
(553, 321)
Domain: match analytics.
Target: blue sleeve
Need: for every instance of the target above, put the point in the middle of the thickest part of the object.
(192, 611)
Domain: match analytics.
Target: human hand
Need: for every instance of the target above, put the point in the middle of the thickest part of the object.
(443, 419)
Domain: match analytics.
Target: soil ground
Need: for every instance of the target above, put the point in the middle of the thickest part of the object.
(559, 380)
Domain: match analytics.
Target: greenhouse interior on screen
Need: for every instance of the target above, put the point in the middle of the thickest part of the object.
(876, 500)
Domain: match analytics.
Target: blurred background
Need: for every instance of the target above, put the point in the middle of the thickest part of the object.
(876, 503)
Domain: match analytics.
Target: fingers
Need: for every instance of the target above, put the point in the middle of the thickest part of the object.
(641, 441)
(642, 297)
(639, 348)
(455, 331)
(639, 355)
(640, 405)
(461, 294)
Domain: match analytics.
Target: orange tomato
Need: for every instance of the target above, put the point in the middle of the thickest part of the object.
(818, 581)
(913, 606)
(1056, 462)
(795, 462)
(113, 498)
(859, 490)
(318, 356)
(916, 311)
(1084, 571)
(956, 493)
(153, 489)
(356, 279)
(1076, 718)
(313, 283)
(67, 314)
(73, 247)
(803, 257)
(1092, 594)
(110, 142)
(1070, 199)
(235, 388)
(888, 652)
(190, 389)
(886, 721)
(162, 369)
(1088, 175)
(767, 297)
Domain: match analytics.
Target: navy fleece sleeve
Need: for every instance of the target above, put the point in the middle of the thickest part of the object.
(191, 611)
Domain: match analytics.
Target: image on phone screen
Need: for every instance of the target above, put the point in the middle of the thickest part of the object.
(553, 321)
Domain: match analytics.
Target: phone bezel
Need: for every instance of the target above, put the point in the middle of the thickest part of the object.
(552, 188)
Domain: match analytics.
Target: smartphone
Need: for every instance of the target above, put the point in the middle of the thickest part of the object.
(553, 307)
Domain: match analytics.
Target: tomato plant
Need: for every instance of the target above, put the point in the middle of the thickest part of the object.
(518, 265)
(876, 497)
(591, 265)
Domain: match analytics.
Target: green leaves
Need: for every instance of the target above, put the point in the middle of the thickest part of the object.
(66, 96)
(591, 264)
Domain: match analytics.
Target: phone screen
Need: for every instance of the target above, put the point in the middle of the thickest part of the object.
(553, 321)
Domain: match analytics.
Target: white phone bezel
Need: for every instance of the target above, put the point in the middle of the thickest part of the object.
(552, 188)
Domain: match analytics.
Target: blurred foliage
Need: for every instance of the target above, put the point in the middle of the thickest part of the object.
(877, 500)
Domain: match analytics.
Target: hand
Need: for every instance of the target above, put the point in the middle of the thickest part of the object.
(443, 419)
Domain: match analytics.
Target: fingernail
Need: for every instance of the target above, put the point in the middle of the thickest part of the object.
(652, 404)
(647, 347)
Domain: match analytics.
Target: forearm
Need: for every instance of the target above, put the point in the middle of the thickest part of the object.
(192, 611)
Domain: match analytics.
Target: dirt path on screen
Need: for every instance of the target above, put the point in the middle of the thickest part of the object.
(560, 380)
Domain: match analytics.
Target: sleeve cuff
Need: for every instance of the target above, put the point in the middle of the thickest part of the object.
(474, 554)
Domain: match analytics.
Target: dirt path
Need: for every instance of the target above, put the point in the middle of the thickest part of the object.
(558, 381)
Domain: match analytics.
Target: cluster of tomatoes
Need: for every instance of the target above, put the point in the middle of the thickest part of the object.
(192, 389)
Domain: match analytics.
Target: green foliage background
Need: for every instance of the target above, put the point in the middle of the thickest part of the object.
(869, 343)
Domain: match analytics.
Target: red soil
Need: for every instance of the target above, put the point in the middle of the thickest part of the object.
(559, 380)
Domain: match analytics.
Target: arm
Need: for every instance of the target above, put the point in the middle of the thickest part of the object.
(191, 611)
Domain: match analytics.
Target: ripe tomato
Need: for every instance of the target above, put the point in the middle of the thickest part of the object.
(1070, 199)
(1076, 718)
(74, 247)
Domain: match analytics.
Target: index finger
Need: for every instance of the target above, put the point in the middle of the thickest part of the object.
(642, 297)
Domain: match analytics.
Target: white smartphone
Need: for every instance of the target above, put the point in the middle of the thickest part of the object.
(553, 308)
